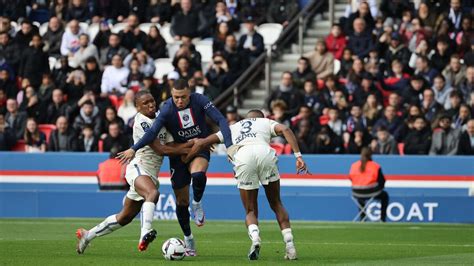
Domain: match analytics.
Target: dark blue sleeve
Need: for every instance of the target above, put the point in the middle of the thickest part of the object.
(152, 133)
(217, 117)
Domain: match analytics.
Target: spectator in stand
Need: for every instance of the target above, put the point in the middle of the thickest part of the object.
(366, 87)
(322, 62)
(422, 49)
(279, 113)
(236, 59)
(397, 51)
(185, 22)
(93, 75)
(360, 41)
(286, 92)
(63, 138)
(217, 75)
(30, 103)
(455, 72)
(9, 50)
(414, 93)
(305, 113)
(15, 118)
(45, 92)
(127, 109)
(57, 108)
(34, 62)
(59, 9)
(303, 73)
(88, 115)
(75, 87)
(335, 123)
(354, 77)
(7, 83)
(346, 62)
(397, 80)
(455, 99)
(312, 98)
(232, 115)
(326, 142)
(135, 77)
(454, 15)
(7, 135)
(445, 140)
(429, 106)
(467, 86)
(159, 11)
(115, 139)
(303, 135)
(424, 69)
(70, 40)
(358, 139)
(281, 11)
(462, 117)
(218, 40)
(418, 139)
(188, 49)
(441, 55)
(86, 50)
(114, 78)
(24, 36)
(87, 142)
(61, 74)
(466, 141)
(414, 35)
(114, 48)
(101, 40)
(356, 120)
(146, 64)
(3, 101)
(77, 10)
(251, 43)
(389, 120)
(463, 37)
(184, 69)
(219, 15)
(384, 143)
(442, 91)
(53, 36)
(362, 13)
(35, 140)
(132, 37)
(110, 116)
(427, 16)
(336, 41)
(155, 44)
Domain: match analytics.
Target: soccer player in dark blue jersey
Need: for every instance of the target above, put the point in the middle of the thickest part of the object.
(184, 116)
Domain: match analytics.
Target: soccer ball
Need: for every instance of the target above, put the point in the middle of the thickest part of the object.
(173, 249)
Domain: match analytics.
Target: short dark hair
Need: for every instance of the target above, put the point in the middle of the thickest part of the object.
(139, 94)
(256, 112)
(181, 84)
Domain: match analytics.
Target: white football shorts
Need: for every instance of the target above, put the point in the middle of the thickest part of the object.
(135, 169)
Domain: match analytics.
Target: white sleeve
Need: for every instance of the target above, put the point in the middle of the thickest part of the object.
(64, 45)
(273, 124)
(220, 136)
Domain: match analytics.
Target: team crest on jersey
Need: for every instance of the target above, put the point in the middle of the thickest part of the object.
(145, 126)
(186, 119)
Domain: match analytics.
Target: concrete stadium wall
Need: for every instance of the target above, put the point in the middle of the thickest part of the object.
(421, 188)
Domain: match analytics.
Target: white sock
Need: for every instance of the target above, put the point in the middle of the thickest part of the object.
(109, 225)
(186, 238)
(196, 202)
(148, 210)
(254, 233)
(287, 236)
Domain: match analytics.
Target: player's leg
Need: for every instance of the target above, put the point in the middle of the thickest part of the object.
(146, 188)
(198, 168)
(130, 210)
(272, 191)
(182, 212)
(250, 203)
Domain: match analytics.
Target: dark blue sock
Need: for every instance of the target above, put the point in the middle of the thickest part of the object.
(199, 184)
(182, 213)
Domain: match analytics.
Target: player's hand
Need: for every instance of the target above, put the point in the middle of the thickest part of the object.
(301, 166)
(198, 145)
(126, 156)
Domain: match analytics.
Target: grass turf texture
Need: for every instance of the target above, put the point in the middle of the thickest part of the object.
(52, 242)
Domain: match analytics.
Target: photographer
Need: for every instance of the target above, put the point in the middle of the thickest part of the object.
(217, 75)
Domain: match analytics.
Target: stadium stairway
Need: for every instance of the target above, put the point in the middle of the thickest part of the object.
(318, 29)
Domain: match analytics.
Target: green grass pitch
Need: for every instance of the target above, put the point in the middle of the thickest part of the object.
(52, 242)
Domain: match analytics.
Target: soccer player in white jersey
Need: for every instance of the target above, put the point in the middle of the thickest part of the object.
(141, 175)
(255, 162)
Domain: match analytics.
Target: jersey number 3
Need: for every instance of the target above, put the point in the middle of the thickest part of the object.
(246, 127)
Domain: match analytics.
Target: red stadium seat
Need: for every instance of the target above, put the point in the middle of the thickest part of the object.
(116, 100)
(287, 149)
(401, 148)
(101, 145)
(19, 146)
(278, 147)
(47, 129)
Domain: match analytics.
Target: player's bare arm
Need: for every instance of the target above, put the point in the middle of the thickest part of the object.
(201, 144)
(171, 149)
(288, 134)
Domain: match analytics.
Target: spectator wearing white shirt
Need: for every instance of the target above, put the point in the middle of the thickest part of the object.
(70, 41)
(85, 51)
(114, 79)
(127, 109)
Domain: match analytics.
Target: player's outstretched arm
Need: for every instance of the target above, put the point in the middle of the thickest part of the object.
(218, 118)
(291, 139)
(201, 144)
(171, 149)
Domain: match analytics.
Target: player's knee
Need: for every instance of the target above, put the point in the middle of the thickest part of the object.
(182, 201)
(199, 178)
(152, 195)
(124, 219)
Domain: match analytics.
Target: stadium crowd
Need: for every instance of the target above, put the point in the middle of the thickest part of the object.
(403, 84)
(58, 77)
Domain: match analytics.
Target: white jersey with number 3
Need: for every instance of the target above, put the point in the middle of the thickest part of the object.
(251, 131)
